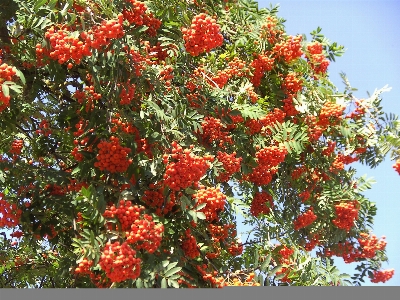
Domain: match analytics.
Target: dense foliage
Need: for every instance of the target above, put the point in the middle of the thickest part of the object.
(133, 133)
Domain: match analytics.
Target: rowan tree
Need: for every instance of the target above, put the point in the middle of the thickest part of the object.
(133, 133)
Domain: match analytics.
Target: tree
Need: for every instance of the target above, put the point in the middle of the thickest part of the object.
(133, 133)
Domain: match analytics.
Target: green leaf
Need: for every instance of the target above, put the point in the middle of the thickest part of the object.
(266, 263)
(172, 271)
(164, 283)
(173, 283)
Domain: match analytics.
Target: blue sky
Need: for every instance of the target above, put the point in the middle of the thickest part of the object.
(369, 32)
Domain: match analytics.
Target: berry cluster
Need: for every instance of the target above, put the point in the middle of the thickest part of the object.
(286, 252)
(271, 118)
(292, 84)
(317, 59)
(137, 15)
(230, 163)
(214, 130)
(112, 156)
(64, 47)
(330, 114)
(270, 31)
(127, 94)
(203, 35)
(214, 200)
(126, 213)
(298, 172)
(240, 280)
(235, 248)
(268, 159)
(145, 233)
(189, 245)
(108, 30)
(218, 232)
(16, 147)
(88, 97)
(382, 276)
(347, 213)
(6, 74)
(10, 213)
(329, 149)
(351, 251)
(290, 49)
(262, 204)
(157, 200)
(305, 219)
(288, 106)
(186, 170)
(370, 244)
(119, 262)
(261, 64)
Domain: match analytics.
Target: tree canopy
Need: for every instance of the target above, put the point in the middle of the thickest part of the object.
(134, 133)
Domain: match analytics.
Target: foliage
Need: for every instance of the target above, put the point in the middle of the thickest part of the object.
(133, 133)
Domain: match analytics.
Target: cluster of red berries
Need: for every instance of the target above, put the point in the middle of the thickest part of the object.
(235, 248)
(157, 200)
(11, 214)
(261, 64)
(346, 214)
(214, 200)
(318, 61)
(237, 67)
(189, 245)
(292, 84)
(305, 219)
(108, 30)
(262, 204)
(312, 242)
(396, 166)
(6, 74)
(218, 282)
(382, 275)
(137, 15)
(186, 170)
(202, 36)
(305, 195)
(218, 232)
(64, 47)
(127, 93)
(273, 117)
(16, 147)
(330, 114)
(271, 156)
(44, 128)
(230, 163)
(288, 106)
(119, 262)
(298, 172)
(88, 97)
(145, 233)
(126, 213)
(370, 244)
(126, 127)
(286, 252)
(340, 161)
(270, 31)
(112, 156)
(314, 130)
(329, 149)
(351, 251)
(155, 54)
(214, 130)
(290, 49)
